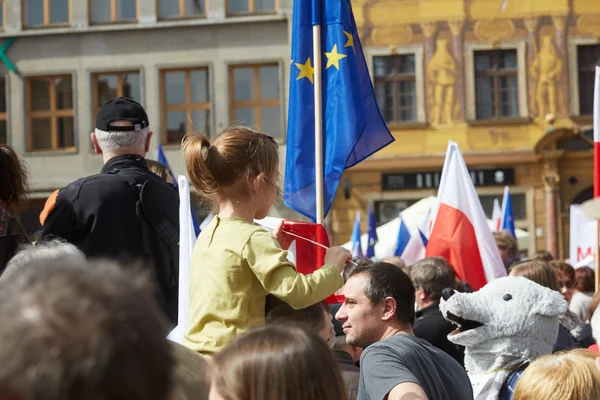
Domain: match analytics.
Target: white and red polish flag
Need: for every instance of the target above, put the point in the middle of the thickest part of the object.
(460, 231)
(497, 216)
(597, 134)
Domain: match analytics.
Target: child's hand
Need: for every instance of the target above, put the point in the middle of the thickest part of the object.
(338, 256)
(285, 240)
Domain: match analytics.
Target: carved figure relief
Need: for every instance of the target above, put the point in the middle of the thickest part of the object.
(546, 71)
(441, 72)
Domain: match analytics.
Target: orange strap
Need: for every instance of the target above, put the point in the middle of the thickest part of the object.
(49, 206)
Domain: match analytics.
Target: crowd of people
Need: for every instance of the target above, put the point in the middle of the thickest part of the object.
(87, 308)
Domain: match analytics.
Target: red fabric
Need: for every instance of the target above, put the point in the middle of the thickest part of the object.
(456, 241)
(309, 256)
(594, 348)
(596, 169)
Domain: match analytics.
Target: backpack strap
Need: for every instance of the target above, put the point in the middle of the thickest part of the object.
(508, 387)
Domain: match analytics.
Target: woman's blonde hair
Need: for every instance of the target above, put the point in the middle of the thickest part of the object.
(225, 165)
(571, 375)
(275, 362)
(538, 271)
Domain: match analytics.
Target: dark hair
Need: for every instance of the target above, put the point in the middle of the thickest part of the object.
(309, 319)
(158, 168)
(584, 280)
(543, 255)
(275, 362)
(567, 270)
(358, 262)
(13, 177)
(224, 165)
(433, 274)
(505, 241)
(89, 331)
(387, 280)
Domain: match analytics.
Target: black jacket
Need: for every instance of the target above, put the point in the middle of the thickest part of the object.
(100, 214)
(12, 237)
(431, 325)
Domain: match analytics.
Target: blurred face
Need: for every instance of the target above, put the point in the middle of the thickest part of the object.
(565, 285)
(504, 254)
(328, 331)
(361, 320)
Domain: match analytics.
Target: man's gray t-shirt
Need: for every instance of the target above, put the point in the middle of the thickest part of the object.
(409, 359)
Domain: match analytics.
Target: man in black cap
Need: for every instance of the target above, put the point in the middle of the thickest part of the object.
(125, 212)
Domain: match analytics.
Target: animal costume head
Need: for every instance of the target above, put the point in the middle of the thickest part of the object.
(509, 321)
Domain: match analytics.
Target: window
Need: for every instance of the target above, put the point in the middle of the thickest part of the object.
(1, 14)
(107, 11)
(106, 85)
(587, 59)
(255, 97)
(40, 13)
(395, 87)
(252, 6)
(185, 103)
(3, 112)
(50, 113)
(180, 8)
(496, 84)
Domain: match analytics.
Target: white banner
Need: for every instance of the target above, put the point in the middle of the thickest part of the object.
(583, 237)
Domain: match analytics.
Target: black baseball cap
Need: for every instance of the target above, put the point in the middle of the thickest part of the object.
(122, 109)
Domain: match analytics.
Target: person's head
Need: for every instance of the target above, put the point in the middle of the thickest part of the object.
(430, 276)
(507, 245)
(543, 255)
(238, 165)
(122, 127)
(395, 260)
(584, 280)
(538, 271)
(378, 298)
(73, 330)
(565, 276)
(160, 169)
(356, 262)
(273, 363)
(53, 251)
(315, 319)
(571, 375)
(13, 177)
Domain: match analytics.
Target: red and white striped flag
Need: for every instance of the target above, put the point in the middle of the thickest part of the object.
(597, 134)
(460, 232)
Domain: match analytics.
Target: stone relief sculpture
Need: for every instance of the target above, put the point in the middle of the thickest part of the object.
(441, 72)
(546, 71)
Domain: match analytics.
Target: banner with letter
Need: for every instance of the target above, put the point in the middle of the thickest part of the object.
(582, 238)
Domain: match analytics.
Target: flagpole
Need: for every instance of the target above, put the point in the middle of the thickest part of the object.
(320, 212)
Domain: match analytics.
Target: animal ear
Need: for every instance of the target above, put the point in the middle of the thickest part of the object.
(550, 304)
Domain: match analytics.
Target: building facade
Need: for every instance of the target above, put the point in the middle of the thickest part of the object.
(196, 65)
(510, 81)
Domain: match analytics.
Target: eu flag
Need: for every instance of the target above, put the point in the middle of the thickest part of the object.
(372, 238)
(353, 128)
(508, 217)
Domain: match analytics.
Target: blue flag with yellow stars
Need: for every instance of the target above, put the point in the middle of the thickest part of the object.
(353, 128)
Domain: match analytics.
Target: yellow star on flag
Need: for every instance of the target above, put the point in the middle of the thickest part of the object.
(350, 42)
(333, 58)
(306, 71)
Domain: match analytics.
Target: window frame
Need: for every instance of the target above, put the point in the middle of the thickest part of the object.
(496, 74)
(469, 67)
(256, 103)
(47, 24)
(394, 81)
(3, 19)
(52, 113)
(573, 60)
(417, 51)
(182, 13)
(252, 9)
(119, 73)
(113, 14)
(188, 107)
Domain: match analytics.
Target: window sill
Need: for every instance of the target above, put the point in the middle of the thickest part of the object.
(49, 26)
(48, 152)
(582, 119)
(499, 121)
(251, 14)
(396, 126)
(119, 22)
(181, 18)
